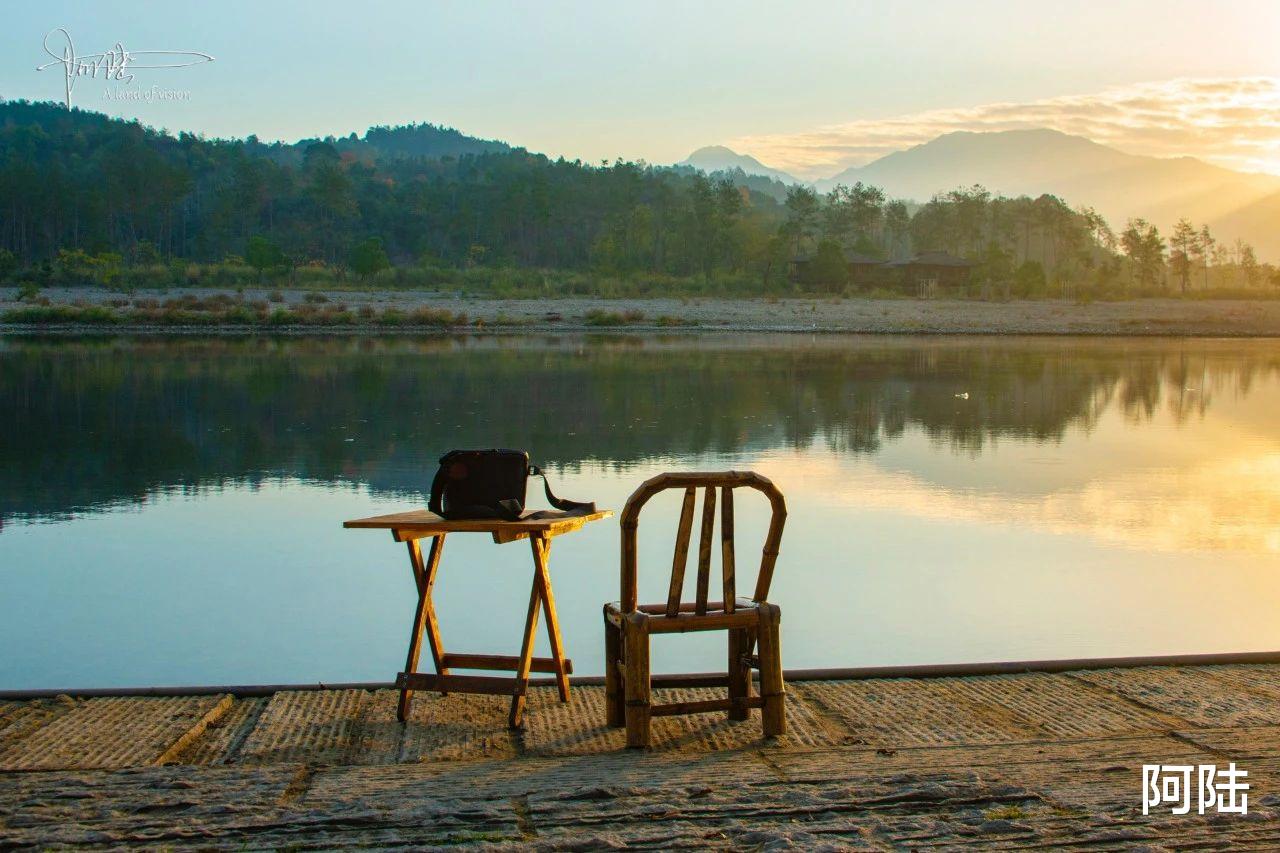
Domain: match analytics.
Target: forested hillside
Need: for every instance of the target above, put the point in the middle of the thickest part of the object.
(89, 199)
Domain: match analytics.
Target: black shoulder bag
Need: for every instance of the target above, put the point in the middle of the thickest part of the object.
(491, 484)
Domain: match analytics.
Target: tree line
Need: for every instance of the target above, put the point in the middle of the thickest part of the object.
(87, 198)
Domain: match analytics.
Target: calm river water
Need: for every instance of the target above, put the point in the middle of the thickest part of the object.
(171, 510)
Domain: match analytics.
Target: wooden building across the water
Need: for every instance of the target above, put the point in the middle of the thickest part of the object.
(923, 275)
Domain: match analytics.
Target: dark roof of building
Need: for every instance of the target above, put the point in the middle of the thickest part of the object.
(849, 258)
(932, 259)
(927, 259)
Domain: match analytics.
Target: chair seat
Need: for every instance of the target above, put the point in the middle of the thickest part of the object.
(746, 614)
(739, 603)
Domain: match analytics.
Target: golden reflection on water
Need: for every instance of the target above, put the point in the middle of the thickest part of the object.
(1166, 488)
(1227, 504)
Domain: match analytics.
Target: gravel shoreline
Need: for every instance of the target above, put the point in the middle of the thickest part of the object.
(1161, 317)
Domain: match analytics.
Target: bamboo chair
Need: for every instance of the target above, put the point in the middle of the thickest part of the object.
(628, 626)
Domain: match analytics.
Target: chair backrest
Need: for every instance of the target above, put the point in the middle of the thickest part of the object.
(726, 482)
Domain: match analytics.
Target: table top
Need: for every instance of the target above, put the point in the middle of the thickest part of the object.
(419, 523)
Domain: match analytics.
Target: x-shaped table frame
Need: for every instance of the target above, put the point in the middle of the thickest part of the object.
(413, 527)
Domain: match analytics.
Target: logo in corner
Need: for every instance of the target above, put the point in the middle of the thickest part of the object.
(115, 65)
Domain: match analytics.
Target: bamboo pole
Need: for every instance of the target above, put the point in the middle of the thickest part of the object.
(613, 698)
(636, 661)
(704, 547)
(681, 558)
(772, 689)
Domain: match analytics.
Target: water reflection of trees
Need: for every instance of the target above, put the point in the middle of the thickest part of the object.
(96, 422)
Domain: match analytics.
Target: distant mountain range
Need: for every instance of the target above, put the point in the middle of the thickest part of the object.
(1078, 170)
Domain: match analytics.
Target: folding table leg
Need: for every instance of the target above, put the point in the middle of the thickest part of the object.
(424, 617)
(526, 651)
(541, 555)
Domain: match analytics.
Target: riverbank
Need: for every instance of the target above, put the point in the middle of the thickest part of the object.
(1033, 759)
(348, 312)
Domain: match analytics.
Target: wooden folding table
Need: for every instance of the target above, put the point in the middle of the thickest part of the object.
(411, 528)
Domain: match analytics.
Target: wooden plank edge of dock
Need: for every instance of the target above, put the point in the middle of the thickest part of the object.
(944, 670)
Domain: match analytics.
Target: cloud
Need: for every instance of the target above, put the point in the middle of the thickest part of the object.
(1233, 122)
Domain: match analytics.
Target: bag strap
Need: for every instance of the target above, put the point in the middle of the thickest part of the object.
(574, 507)
(437, 491)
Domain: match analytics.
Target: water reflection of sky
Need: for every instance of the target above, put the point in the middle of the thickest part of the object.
(1044, 516)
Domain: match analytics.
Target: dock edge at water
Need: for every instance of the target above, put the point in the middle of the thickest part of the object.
(929, 670)
(1010, 755)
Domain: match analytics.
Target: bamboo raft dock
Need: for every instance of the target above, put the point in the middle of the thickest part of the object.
(1005, 760)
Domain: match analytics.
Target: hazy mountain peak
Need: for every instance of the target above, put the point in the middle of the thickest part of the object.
(718, 158)
(707, 152)
(1008, 152)
(1041, 133)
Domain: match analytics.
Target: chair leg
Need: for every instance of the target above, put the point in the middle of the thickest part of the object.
(739, 672)
(635, 653)
(772, 689)
(614, 703)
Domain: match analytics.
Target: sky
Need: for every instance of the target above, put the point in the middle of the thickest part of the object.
(811, 87)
